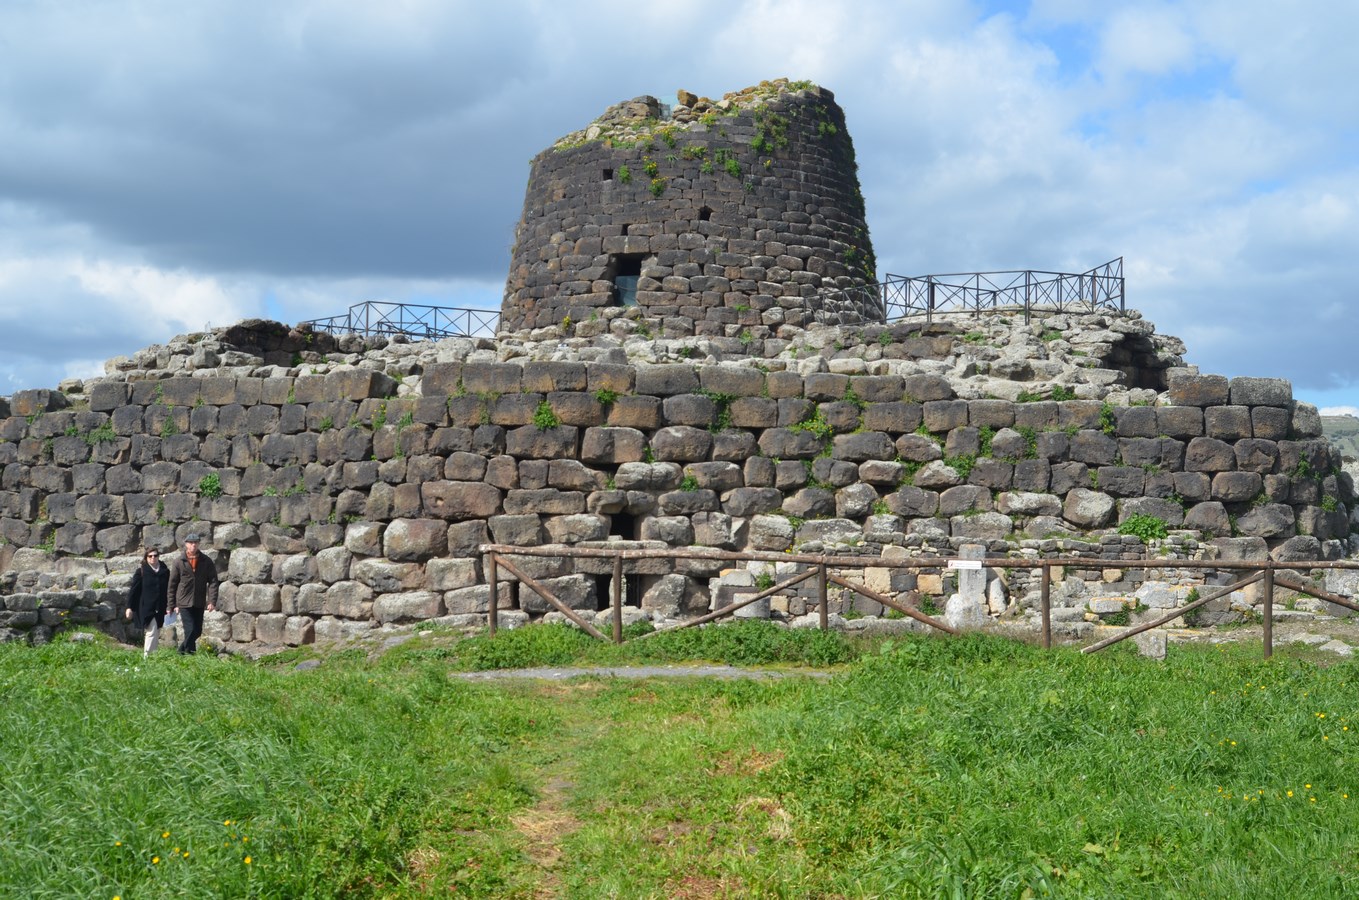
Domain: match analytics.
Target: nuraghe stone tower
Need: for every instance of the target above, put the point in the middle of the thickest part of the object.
(706, 216)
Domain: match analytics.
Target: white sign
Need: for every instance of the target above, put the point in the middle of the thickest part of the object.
(964, 564)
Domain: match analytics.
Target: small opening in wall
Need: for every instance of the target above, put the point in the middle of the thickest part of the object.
(623, 230)
(623, 525)
(624, 270)
(705, 214)
(608, 174)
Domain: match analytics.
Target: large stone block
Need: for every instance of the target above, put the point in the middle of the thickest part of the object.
(547, 501)
(731, 381)
(532, 442)
(258, 598)
(944, 415)
(611, 445)
(1237, 487)
(349, 600)
(412, 606)
(1270, 423)
(1199, 390)
(667, 380)
(576, 592)
(492, 378)
(682, 443)
(1094, 448)
(1261, 392)
(477, 599)
(574, 529)
(548, 376)
(1088, 509)
(456, 500)
(863, 446)
(452, 574)
(1136, 421)
(1227, 423)
(415, 540)
(250, 566)
(1205, 454)
(636, 412)
(1267, 521)
(383, 576)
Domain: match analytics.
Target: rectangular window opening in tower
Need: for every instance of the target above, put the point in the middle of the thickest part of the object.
(625, 269)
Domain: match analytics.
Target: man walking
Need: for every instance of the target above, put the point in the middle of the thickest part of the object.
(193, 588)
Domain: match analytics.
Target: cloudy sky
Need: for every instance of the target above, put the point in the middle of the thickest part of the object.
(169, 166)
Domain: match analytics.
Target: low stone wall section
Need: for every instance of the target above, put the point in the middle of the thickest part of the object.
(331, 504)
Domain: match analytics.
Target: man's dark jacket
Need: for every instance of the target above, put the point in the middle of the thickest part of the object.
(190, 589)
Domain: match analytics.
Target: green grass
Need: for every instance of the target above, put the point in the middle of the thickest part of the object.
(974, 767)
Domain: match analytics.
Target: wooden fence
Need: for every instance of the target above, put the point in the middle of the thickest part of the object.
(1273, 574)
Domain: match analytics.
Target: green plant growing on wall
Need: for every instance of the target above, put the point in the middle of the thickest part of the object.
(1108, 420)
(1194, 616)
(101, 435)
(544, 417)
(210, 486)
(657, 186)
(650, 167)
(885, 339)
(689, 484)
(606, 397)
(765, 580)
(168, 427)
(815, 423)
(721, 409)
(1146, 527)
(852, 397)
(1062, 392)
(985, 435)
(962, 464)
(625, 174)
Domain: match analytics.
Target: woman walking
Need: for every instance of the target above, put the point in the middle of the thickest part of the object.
(147, 598)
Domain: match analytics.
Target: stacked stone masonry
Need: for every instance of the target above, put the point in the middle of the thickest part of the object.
(735, 219)
(332, 504)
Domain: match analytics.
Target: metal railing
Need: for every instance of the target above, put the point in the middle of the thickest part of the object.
(424, 323)
(1272, 574)
(902, 296)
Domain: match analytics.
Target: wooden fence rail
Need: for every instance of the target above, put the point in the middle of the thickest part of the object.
(1272, 574)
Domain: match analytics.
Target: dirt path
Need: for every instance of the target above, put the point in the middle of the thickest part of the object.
(562, 673)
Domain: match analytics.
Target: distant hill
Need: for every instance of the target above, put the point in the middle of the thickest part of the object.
(1343, 432)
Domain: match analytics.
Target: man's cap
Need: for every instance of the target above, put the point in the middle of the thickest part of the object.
(191, 539)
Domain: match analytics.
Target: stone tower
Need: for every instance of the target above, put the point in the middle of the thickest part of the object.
(713, 217)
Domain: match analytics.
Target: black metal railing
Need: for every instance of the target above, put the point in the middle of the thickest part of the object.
(424, 323)
(901, 296)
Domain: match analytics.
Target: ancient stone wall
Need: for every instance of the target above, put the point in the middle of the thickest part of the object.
(336, 497)
(729, 217)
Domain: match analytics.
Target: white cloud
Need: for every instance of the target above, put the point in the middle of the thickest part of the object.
(1152, 40)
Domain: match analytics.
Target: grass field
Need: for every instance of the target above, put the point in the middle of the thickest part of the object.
(927, 766)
